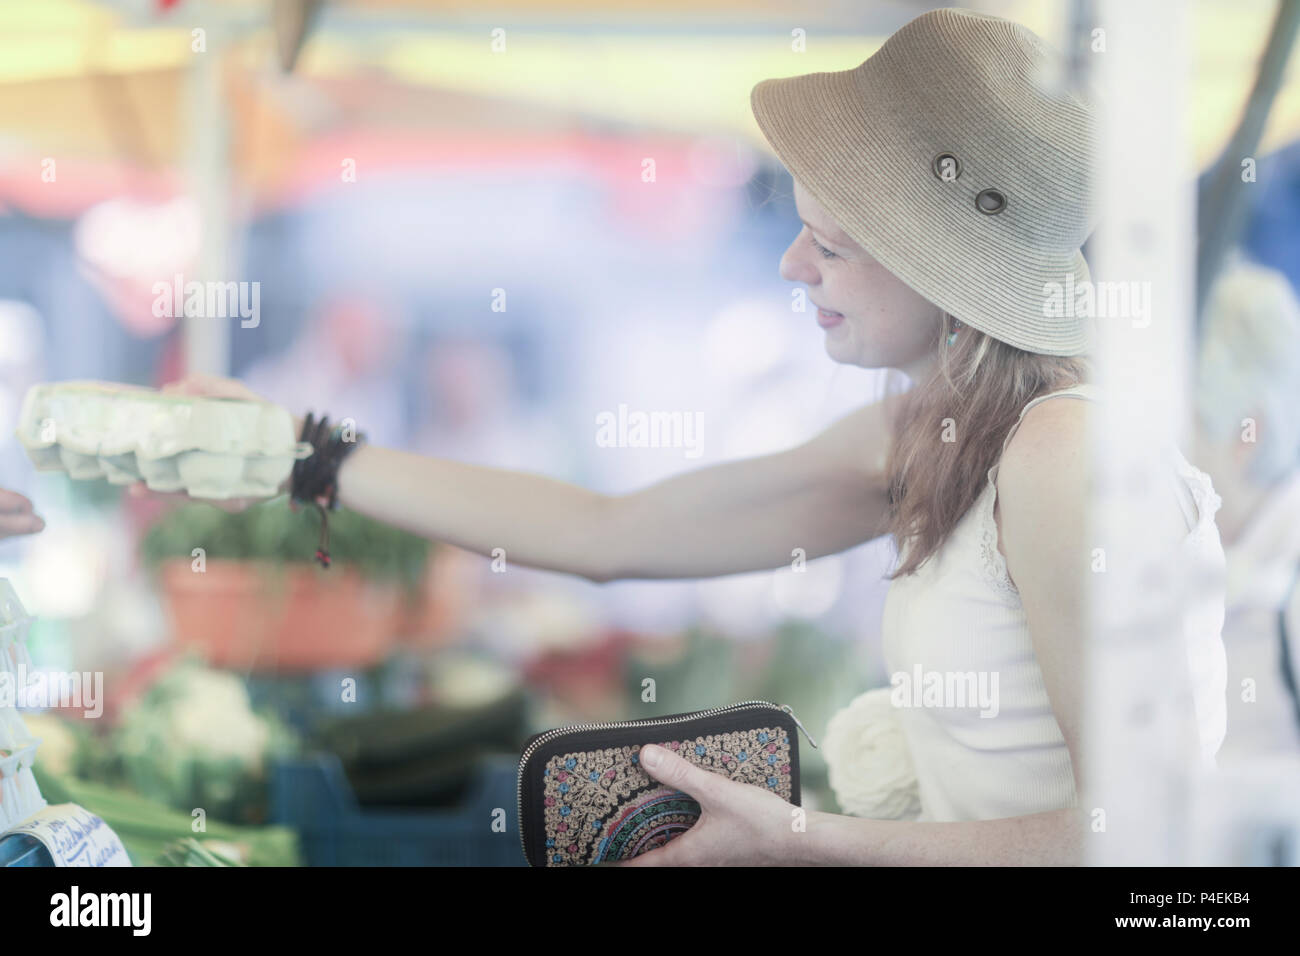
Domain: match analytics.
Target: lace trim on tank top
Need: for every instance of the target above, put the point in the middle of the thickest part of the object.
(992, 563)
(1207, 500)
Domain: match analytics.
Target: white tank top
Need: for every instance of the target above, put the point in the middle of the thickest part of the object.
(960, 613)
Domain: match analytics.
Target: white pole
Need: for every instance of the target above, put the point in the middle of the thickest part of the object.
(207, 339)
(1141, 745)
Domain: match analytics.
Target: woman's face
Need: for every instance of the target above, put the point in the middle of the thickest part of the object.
(869, 317)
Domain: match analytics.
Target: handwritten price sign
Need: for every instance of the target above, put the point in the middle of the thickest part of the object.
(74, 836)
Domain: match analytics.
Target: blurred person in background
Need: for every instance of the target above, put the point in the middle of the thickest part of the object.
(1248, 439)
(912, 264)
(473, 412)
(21, 365)
(346, 356)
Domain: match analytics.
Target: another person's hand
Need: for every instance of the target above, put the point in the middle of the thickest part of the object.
(740, 824)
(17, 516)
(213, 386)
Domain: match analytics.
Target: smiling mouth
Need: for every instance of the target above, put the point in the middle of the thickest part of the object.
(828, 319)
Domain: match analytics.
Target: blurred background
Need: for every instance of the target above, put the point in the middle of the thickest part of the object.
(391, 173)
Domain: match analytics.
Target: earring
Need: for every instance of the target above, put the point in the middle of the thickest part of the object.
(952, 336)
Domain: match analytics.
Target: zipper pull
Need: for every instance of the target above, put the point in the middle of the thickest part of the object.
(786, 708)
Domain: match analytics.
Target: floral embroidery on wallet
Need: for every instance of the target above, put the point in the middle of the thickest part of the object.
(584, 798)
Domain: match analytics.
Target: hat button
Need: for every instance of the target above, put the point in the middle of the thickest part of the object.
(990, 202)
(946, 166)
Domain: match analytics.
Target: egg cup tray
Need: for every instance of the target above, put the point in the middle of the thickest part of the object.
(207, 447)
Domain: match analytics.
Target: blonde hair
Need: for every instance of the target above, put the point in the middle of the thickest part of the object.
(948, 432)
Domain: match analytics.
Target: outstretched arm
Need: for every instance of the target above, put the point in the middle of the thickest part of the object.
(823, 496)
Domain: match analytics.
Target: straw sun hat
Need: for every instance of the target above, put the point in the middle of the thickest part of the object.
(956, 158)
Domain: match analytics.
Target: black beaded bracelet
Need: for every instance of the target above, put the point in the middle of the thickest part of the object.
(314, 480)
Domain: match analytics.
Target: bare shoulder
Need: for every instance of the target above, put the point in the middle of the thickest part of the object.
(1051, 442)
(1042, 501)
(1043, 482)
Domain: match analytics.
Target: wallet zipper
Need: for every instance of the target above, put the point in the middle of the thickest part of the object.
(645, 722)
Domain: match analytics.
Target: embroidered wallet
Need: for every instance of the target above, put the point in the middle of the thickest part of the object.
(584, 798)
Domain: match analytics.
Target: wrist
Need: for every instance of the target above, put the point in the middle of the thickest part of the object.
(347, 469)
(314, 479)
(287, 485)
(828, 840)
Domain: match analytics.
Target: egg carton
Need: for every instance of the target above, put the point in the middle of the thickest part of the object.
(207, 447)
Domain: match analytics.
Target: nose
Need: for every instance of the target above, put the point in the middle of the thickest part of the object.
(796, 266)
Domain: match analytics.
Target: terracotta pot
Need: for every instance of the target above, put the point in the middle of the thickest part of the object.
(451, 586)
(280, 618)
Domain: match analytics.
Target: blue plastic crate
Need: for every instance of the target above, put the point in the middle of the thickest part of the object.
(19, 849)
(313, 796)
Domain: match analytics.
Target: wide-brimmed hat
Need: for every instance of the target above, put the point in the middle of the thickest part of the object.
(957, 158)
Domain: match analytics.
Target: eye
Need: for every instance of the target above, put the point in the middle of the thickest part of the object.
(826, 253)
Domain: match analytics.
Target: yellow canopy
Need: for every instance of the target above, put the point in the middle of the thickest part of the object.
(64, 64)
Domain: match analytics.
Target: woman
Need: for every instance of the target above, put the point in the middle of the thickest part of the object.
(943, 187)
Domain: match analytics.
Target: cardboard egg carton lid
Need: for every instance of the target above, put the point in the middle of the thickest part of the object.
(207, 447)
(107, 419)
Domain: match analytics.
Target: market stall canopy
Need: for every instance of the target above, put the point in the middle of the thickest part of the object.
(102, 87)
